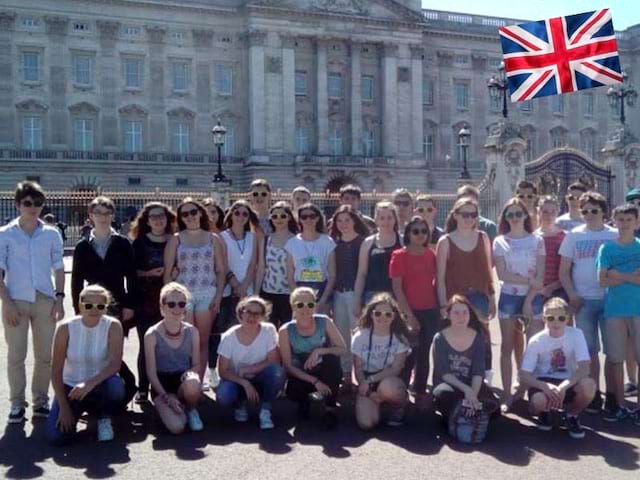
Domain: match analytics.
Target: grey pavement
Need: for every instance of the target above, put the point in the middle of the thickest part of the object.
(420, 449)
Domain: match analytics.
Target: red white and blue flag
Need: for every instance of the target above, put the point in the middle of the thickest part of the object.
(560, 55)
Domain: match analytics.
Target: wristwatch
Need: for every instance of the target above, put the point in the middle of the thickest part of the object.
(60, 294)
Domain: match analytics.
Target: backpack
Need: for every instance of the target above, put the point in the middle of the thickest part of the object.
(468, 429)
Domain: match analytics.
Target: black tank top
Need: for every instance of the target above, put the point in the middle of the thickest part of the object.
(378, 273)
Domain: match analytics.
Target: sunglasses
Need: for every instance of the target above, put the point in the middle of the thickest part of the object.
(98, 306)
(33, 203)
(420, 231)
(252, 313)
(572, 197)
(528, 196)
(378, 314)
(282, 216)
(592, 211)
(512, 215)
(467, 215)
(158, 216)
(308, 216)
(181, 304)
(259, 194)
(402, 203)
(186, 213)
(302, 305)
(238, 213)
(427, 209)
(551, 318)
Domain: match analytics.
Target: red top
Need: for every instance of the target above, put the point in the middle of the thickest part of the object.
(552, 260)
(418, 274)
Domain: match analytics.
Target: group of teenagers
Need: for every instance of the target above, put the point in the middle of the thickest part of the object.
(271, 299)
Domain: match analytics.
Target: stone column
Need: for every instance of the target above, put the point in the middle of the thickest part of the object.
(257, 115)
(389, 102)
(8, 133)
(57, 60)
(417, 52)
(157, 116)
(356, 99)
(289, 94)
(322, 98)
(107, 71)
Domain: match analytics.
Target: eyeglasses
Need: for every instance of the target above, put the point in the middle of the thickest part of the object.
(252, 313)
(282, 216)
(300, 305)
(378, 314)
(260, 194)
(186, 213)
(528, 196)
(512, 215)
(420, 231)
(237, 213)
(33, 203)
(158, 216)
(425, 209)
(98, 306)
(551, 318)
(467, 215)
(402, 203)
(308, 216)
(175, 304)
(592, 211)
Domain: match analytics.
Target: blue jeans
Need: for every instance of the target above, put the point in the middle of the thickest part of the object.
(268, 383)
(480, 302)
(590, 319)
(103, 401)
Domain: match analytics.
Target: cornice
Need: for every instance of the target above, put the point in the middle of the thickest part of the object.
(174, 5)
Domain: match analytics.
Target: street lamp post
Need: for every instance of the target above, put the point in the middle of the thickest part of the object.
(219, 133)
(464, 135)
(621, 93)
(498, 87)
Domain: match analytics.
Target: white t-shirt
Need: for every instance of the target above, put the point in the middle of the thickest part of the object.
(581, 246)
(380, 349)
(239, 253)
(310, 259)
(244, 355)
(521, 257)
(555, 357)
(565, 222)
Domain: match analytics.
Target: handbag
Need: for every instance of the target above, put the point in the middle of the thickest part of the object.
(468, 429)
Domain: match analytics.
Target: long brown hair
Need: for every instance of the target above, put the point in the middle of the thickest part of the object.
(503, 224)
(292, 225)
(140, 225)
(358, 224)
(204, 216)
(399, 324)
(251, 225)
(474, 319)
(452, 223)
(320, 226)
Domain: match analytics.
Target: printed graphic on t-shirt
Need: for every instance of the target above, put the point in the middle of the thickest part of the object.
(558, 361)
(460, 365)
(311, 271)
(588, 248)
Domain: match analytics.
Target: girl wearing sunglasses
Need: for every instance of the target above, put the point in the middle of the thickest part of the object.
(380, 347)
(172, 351)
(519, 257)
(311, 346)
(271, 277)
(413, 275)
(87, 353)
(197, 254)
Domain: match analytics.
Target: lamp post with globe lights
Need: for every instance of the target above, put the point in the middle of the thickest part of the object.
(464, 135)
(219, 133)
(620, 94)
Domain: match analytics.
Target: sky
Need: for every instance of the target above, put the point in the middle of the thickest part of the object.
(624, 12)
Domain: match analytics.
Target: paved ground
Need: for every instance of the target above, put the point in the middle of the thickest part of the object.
(421, 449)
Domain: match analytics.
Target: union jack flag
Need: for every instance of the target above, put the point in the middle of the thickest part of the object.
(560, 55)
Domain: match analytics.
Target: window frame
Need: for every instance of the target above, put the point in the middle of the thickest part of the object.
(332, 78)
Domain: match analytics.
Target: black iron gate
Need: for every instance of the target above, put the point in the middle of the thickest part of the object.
(554, 172)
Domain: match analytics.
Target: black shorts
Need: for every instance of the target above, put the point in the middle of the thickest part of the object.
(568, 397)
(170, 381)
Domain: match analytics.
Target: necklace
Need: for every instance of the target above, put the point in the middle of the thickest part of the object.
(171, 334)
(240, 248)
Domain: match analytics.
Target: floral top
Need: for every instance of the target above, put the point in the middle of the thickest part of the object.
(275, 273)
(195, 264)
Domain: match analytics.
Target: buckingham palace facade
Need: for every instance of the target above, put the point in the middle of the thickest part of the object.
(123, 94)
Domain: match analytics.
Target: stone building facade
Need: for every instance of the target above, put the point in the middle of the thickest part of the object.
(123, 94)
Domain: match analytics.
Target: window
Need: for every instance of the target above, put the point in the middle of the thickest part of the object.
(336, 142)
(182, 182)
(301, 83)
(30, 23)
(180, 76)
(180, 138)
(368, 143)
(31, 66)
(177, 36)
(427, 92)
(81, 27)
(427, 147)
(132, 73)
(558, 104)
(32, 133)
(494, 63)
(302, 141)
(83, 70)
(83, 135)
(229, 147)
(587, 105)
(367, 88)
(462, 95)
(133, 136)
(558, 138)
(224, 79)
(335, 85)
(526, 106)
(461, 60)
(587, 143)
(134, 181)
(131, 31)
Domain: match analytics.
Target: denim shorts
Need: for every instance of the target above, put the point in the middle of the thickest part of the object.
(590, 319)
(510, 305)
(200, 301)
(480, 302)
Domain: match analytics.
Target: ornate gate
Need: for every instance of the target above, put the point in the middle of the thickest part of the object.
(557, 169)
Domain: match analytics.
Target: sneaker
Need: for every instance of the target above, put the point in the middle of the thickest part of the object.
(141, 398)
(615, 414)
(630, 389)
(16, 415)
(241, 414)
(214, 378)
(195, 423)
(206, 386)
(573, 426)
(329, 420)
(265, 419)
(596, 404)
(543, 422)
(396, 419)
(40, 412)
(105, 430)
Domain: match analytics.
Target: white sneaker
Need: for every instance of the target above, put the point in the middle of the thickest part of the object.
(195, 423)
(214, 378)
(265, 419)
(241, 414)
(105, 430)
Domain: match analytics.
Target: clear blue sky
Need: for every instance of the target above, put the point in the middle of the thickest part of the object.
(624, 12)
